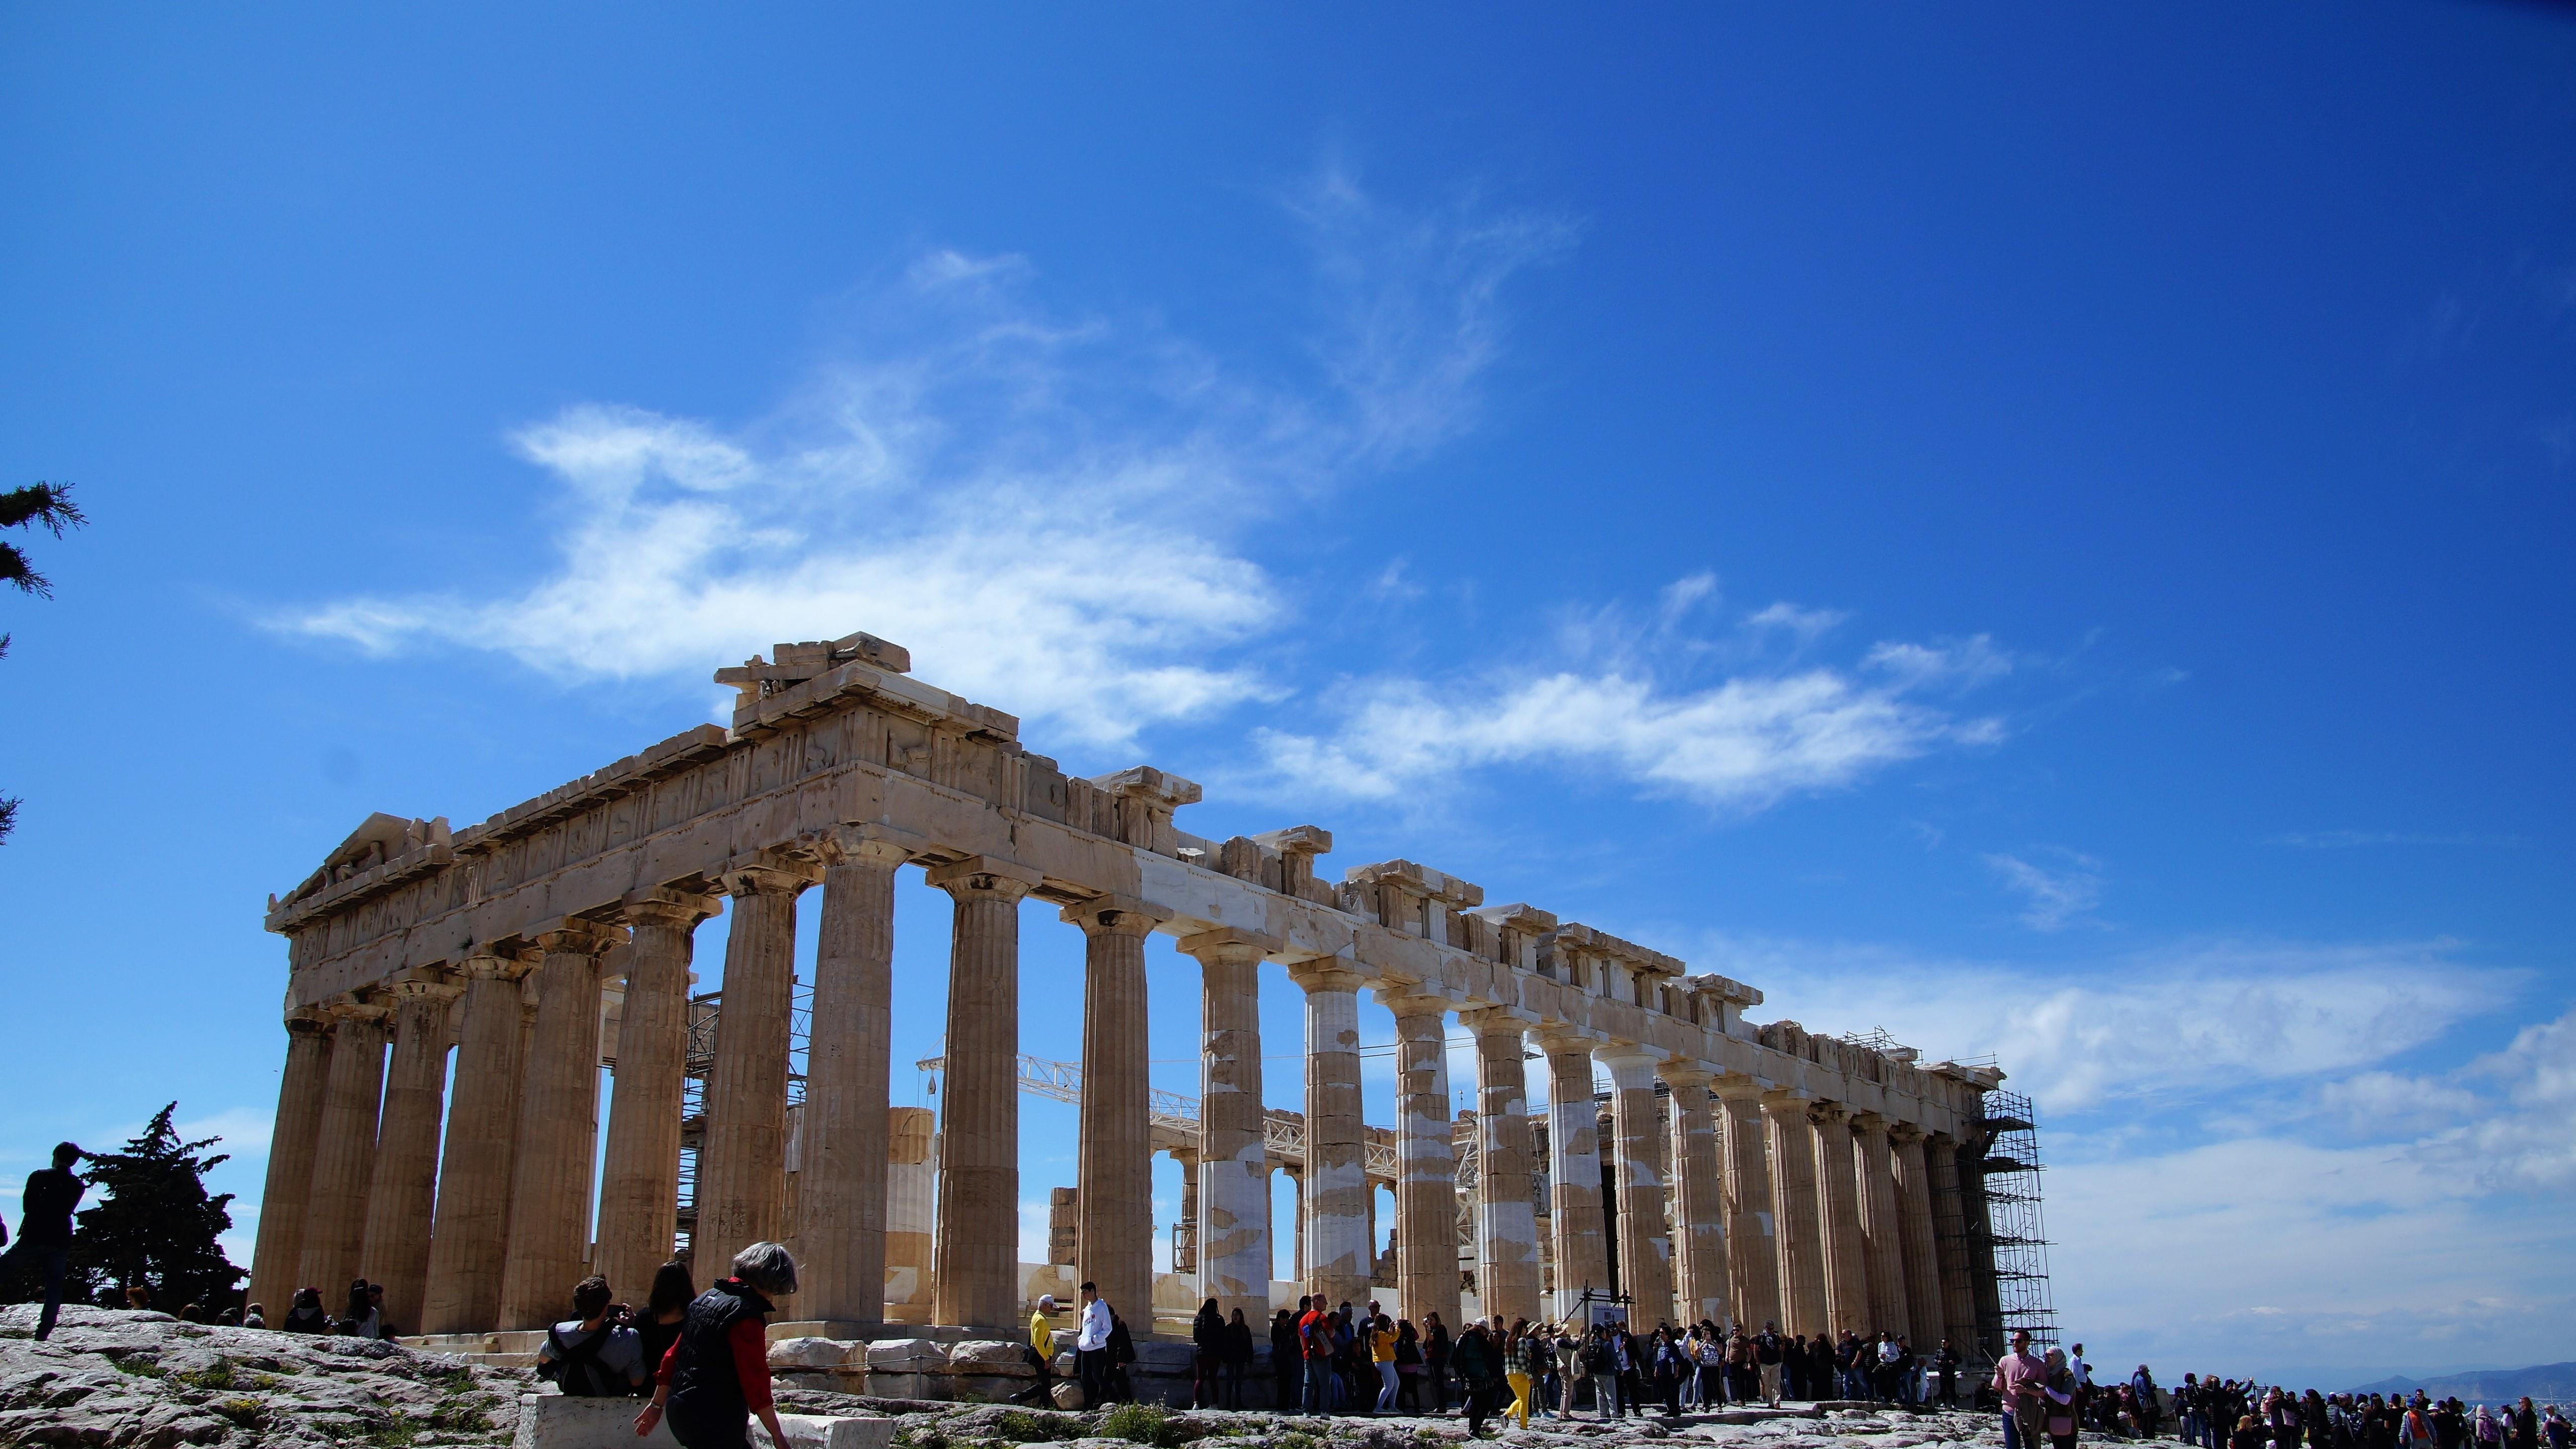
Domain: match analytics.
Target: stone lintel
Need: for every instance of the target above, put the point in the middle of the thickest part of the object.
(1306, 840)
(1154, 786)
(1519, 916)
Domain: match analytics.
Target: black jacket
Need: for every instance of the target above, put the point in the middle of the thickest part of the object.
(705, 1385)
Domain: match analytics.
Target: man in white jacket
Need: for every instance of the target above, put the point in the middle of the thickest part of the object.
(1091, 1346)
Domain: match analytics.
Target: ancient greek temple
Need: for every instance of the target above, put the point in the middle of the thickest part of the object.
(1732, 1171)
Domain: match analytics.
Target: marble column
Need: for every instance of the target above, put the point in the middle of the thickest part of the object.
(977, 1280)
(1645, 1243)
(639, 1184)
(1185, 1247)
(1698, 1199)
(1506, 1219)
(1426, 1189)
(1574, 1174)
(471, 1230)
(1752, 1247)
(1234, 1168)
(1914, 1237)
(1337, 1191)
(1114, 1234)
(1882, 1245)
(344, 1159)
(278, 1257)
(1297, 1207)
(405, 1183)
(742, 1166)
(1950, 1241)
(549, 1243)
(844, 1156)
(1793, 1214)
(1838, 1219)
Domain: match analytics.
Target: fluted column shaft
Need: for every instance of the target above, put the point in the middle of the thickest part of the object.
(278, 1257)
(1114, 1215)
(1506, 1220)
(405, 1183)
(471, 1230)
(1793, 1215)
(1950, 1241)
(1426, 1189)
(742, 1168)
(1338, 1250)
(1838, 1219)
(1698, 1200)
(977, 1278)
(1574, 1175)
(1882, 1244)
(558, 1133)
(1645, 1242)
(639, 1184)
(344, 1162)
(1914, 1236)
(1752, 1248)
(845, 1155)
(1234, 1167)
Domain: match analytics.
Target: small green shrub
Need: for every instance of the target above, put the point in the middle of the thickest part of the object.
(1141, 1424)
(247, 1412)
(216, 1376)
(1023, 1427)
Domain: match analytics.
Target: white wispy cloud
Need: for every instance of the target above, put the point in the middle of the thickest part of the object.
(1740, 745)
(2351, 839)
(2190, 1020)
(1049, 513)
(2052, 899)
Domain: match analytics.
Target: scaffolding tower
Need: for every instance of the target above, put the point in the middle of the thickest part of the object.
(699, 1064)
(1999, 1175)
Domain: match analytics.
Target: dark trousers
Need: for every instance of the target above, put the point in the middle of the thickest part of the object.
(1319, 1385)
(1093, 1365)
(54, 1264)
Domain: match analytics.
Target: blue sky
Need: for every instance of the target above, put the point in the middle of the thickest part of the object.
(2045, 532)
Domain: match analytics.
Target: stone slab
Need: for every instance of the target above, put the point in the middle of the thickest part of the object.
(555, 1421)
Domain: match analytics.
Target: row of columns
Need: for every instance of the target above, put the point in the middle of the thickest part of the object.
(1791, 1211)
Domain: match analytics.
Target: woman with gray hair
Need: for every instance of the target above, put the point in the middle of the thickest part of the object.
(716, 1375)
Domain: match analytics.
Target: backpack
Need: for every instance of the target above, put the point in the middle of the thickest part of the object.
(575, 1370)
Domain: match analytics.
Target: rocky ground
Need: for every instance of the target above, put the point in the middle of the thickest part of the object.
(147, 1380)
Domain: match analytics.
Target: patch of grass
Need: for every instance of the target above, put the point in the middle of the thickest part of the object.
(141, 1368)
(1296, 1439)
(1022, 1427)
(248, 1413)
(921, 1439)
(1141, 1424)
(216, 1376)
(456, 1418)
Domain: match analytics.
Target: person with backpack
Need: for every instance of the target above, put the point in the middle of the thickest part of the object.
(715, 1379)
(591, 1355)
(1479, 1366)
(1287, 1358)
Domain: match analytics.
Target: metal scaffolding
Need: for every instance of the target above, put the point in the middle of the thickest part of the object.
(2006, 1173)
(700, 1063)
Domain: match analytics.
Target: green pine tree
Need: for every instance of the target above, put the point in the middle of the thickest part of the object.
(154, 1223)
(47, 506)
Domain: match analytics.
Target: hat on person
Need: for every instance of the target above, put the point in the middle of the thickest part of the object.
(1046, 1303)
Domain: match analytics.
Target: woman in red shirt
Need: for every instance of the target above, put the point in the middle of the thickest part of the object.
(716, 1376)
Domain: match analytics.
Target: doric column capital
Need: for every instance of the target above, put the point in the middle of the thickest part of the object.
(770, 874)
(578, 938)
(307, 1021)
(1628, 1053)
(499, 963)
(1683, 1076)
(1325, 973)
(426, 982)
(1867, 1124)
(1496, 1021)
(663, 906)
(1228, 946)
(984, 876)
(1901, 1133)
(1737, 1087)
(868, 844)
(353, 1007)
(1827, 1114)
(1786, 1101)
(1408, 1003)
(1559, 1039)
(1115, 915)
(1941, 1141)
